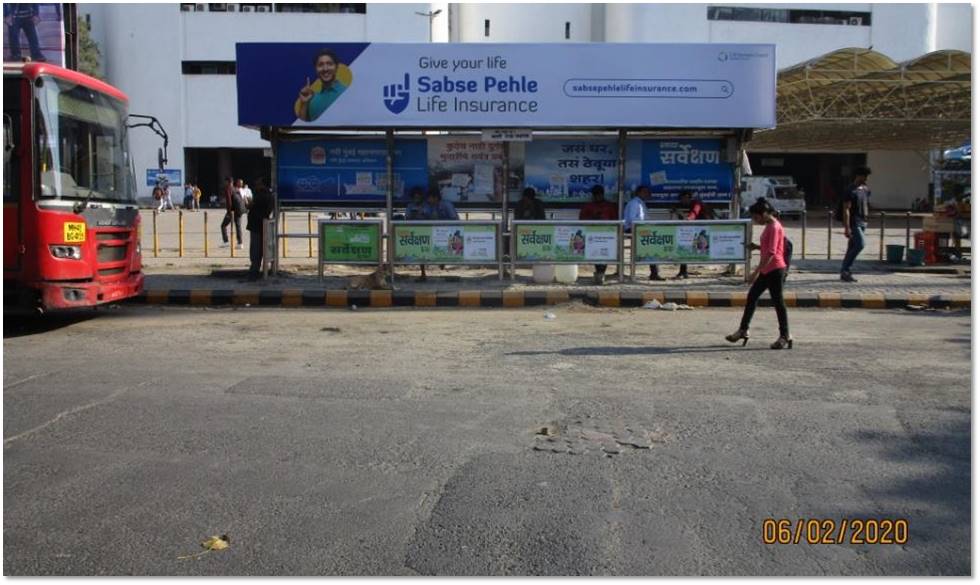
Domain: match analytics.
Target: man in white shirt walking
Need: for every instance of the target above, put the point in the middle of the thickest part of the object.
(636, 210)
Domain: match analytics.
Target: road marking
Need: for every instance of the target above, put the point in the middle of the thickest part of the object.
(27, 379)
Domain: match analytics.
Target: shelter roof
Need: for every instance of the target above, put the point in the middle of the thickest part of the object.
(860, 99)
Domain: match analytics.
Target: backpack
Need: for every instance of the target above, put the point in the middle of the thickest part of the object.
(238, 202)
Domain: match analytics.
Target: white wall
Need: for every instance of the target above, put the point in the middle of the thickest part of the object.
(211, 114)
(524, 23)
(903, 31)
(897, 177)
(954, 29)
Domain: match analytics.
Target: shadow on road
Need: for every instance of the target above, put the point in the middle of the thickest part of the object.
(627, 351)
(25, 325)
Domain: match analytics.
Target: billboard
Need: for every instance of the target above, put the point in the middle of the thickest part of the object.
(334, 170)
(35, 32)
(492, 85)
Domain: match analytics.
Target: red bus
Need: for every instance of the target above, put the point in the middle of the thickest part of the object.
(70, 217)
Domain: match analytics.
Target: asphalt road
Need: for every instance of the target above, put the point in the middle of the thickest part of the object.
(360, 442)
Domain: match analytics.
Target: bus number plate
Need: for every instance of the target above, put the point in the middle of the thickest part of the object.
(74, 231)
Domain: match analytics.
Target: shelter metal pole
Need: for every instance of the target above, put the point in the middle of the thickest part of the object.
(621, 180)
(505, 170)
(881, 239)
(274, 183)
(803, 226)
(390, 195)
(830, 225)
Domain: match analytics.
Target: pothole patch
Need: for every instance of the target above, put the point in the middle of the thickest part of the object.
(608, 440)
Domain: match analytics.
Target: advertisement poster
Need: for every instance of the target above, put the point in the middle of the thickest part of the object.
(445, 244)
(35, 32)
(172, 177)
(672, 166)
(506, 85)
(684, 242)
(317, 171)
(566, 243)
(564, 171)
(465, 169)
(350, 243)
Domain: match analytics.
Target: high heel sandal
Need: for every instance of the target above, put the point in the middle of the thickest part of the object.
(782, 343)
(740, 335)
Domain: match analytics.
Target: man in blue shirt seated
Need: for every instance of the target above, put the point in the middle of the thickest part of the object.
(636, 210)
(439, 209)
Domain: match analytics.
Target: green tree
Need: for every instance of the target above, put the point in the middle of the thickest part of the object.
(88, 51)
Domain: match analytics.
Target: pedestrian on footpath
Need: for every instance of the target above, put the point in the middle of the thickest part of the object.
(246, 195)
(197, 197)
(636, 210)
(768, 275)
(599, 210)
(260, 211)
(234, 208)
(854, 215)
(189, 195)
(165, 199)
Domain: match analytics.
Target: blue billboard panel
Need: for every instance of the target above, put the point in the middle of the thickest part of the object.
(347, 171)
(672, 166)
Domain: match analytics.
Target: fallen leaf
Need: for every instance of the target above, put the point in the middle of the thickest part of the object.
(211, 544)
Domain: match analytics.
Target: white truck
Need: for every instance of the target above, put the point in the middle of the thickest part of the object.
(781, 191)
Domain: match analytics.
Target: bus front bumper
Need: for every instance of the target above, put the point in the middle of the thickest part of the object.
(70, 295)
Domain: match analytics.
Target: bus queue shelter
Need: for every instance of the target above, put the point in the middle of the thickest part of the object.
(671, 116)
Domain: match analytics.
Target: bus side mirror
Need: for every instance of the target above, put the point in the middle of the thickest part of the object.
(161, 159)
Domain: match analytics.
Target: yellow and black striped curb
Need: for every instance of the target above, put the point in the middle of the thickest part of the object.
(520, 298)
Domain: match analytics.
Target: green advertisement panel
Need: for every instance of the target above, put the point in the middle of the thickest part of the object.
(689, 242)
(566, 243)
(350, 243)
(462, 243)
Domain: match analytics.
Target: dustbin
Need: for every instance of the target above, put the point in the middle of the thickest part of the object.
(543, 273)
(895, 254)
(916, 257)
(566, 273)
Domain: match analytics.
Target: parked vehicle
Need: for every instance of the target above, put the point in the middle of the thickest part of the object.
(781, 191)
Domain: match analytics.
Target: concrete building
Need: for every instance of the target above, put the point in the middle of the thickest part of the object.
(176, 61)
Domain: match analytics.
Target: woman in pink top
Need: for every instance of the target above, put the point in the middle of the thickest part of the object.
(768, 275)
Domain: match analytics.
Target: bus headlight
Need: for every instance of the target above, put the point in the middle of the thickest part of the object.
(69, 252)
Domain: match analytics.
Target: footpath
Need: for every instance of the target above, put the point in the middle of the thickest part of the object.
(812, 283)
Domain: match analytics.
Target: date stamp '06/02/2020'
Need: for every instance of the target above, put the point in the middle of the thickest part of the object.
(834, 531)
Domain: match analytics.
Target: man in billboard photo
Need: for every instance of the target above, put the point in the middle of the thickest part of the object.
(23, 17)
(314, 98)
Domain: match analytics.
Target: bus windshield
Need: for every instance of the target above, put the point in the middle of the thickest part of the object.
(81, 144)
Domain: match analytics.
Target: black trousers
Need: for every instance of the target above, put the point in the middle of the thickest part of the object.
(774, 283)
(255, 252)
(238, 226)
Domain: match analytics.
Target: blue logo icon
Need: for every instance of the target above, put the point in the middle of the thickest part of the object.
(397, 96)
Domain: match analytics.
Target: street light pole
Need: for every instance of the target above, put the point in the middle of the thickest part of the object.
(431, 16)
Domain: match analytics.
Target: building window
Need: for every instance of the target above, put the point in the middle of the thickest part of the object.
(255, 7)
(486, 27)
(352, 8)
(208, 67)
(789, 16)
(568, 30)
(221, 7)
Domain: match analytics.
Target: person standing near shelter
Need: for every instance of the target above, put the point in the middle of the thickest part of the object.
(599, 210)
(23, 17)
(767, 275)
(695, 211)
(529, 207)
(189, 195)
(260, 211)
(246, 195)
(165, 199)
(417, 209)
(234, 208)
(636, 210)
(197, 197)
(854, 215)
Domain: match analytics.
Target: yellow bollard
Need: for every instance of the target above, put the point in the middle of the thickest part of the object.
(156, 236)
(285, 244)
(180, 233)
(205, 234)
(231, 236)
(309, 225)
